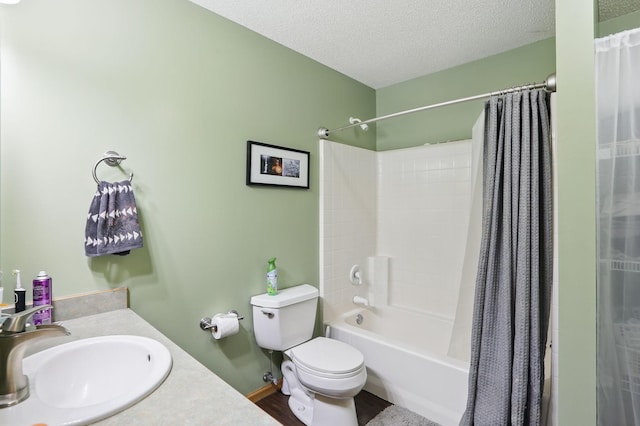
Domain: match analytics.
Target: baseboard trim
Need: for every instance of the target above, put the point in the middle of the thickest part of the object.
(264, 392)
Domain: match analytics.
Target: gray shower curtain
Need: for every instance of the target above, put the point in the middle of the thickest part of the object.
(513, 285)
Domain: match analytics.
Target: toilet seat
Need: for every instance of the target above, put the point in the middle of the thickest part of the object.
(329, 367)
(327, 358)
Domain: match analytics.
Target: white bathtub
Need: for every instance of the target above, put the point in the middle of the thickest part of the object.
(405, 355)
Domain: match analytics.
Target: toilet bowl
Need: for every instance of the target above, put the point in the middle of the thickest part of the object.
(321, 375)
(329, 367)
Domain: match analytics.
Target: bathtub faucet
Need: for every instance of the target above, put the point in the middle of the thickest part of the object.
(358, 300)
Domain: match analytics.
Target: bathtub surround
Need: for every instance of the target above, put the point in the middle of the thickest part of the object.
(460, 344)
(423, 213)
(404, 214)
(513, 287)
(348, 220)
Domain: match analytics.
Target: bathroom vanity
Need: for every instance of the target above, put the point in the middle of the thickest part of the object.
(190, 395)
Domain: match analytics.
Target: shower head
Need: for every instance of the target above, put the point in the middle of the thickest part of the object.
(353, 120)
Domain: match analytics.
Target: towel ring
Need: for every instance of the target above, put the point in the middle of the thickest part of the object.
(112, 159)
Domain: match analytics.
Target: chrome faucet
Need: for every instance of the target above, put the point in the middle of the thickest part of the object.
(14, 341)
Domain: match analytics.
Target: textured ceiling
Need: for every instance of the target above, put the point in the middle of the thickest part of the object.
(382, 42)
(613, 8)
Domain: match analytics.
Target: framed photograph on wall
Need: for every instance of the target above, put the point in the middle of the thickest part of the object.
(277, 165)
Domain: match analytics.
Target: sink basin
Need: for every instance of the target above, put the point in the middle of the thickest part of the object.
(87, 380)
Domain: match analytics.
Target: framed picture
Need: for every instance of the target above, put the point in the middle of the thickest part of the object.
(276, 165)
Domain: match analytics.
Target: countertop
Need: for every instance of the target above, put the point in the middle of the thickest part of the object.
(191, 394)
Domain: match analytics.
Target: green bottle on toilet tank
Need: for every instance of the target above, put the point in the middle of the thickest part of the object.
(272, 277)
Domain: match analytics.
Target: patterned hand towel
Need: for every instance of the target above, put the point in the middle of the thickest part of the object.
(112, 222)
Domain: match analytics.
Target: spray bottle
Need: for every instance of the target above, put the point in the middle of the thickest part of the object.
(42, 292)
(19, 294)
(272, 277)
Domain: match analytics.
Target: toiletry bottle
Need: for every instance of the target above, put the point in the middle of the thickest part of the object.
(1, 292)
(42, 296)
(272, 277)
(20, 294)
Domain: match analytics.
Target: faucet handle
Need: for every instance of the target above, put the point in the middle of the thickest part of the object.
(17, 322)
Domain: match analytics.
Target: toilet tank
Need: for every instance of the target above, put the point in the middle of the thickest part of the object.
(285, 320)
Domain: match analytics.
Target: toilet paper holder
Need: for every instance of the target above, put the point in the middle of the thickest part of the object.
(205, 323)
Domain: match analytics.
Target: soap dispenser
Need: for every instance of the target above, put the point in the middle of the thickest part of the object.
(20, 293)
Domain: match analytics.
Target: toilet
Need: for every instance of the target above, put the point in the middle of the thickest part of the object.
(321, 375)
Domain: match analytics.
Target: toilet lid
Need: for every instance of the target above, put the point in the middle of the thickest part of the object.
(327, 356)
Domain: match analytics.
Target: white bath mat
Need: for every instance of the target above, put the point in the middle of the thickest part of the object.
(398, 416)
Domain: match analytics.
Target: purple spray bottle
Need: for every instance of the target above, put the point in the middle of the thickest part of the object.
(42, 296)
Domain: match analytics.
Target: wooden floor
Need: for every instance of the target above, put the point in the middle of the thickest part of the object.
(367, 407)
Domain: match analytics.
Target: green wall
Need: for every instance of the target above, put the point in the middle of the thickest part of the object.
(576, 205)
(621, 23)
(179, 91)
(528, 64)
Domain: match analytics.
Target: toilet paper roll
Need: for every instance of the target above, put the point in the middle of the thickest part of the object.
(224, 325)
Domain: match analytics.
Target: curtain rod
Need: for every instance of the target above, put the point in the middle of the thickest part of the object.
(549, 85)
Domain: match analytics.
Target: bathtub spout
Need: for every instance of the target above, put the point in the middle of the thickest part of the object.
(360, 301)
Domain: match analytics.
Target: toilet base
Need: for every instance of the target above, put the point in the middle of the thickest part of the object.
(324, 411)
(331, 412)
(303, 412)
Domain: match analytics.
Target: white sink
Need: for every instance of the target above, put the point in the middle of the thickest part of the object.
(87, 380)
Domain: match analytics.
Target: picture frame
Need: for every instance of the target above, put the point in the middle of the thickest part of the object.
(277, 166)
